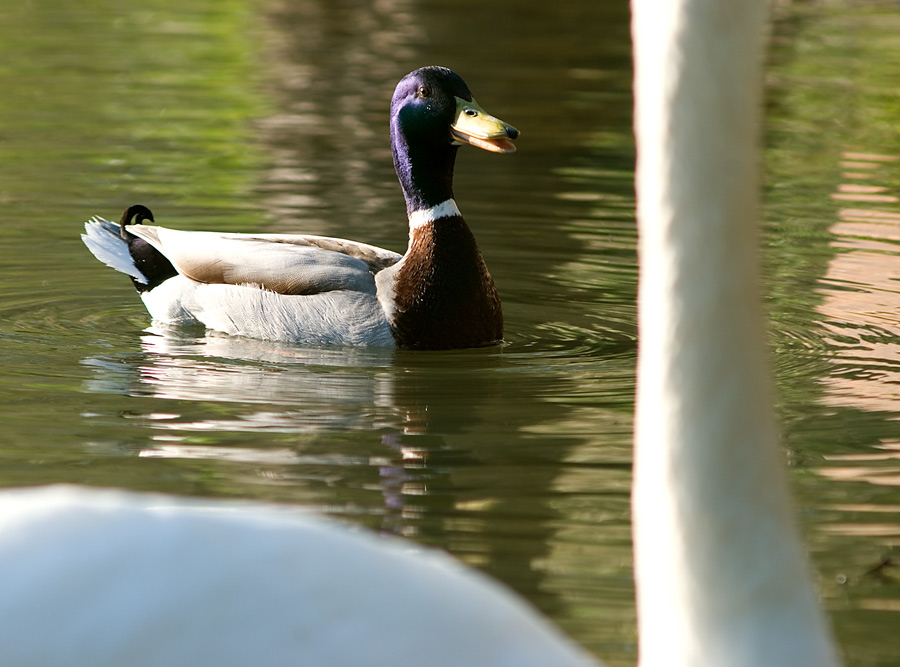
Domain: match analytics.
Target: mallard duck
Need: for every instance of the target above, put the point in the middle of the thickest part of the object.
(315, 289)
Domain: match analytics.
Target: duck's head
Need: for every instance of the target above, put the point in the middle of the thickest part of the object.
(432, 114)
(433, 105)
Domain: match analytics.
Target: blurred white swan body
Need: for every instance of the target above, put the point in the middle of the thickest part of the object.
(109, 578)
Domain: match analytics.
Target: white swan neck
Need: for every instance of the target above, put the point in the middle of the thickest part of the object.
(721, 573)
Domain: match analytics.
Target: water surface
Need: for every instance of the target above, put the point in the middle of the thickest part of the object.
(272, 116)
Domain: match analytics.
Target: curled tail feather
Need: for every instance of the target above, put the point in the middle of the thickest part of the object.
(116, 247)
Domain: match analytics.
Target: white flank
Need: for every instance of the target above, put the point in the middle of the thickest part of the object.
(424, 216)
(335, 317)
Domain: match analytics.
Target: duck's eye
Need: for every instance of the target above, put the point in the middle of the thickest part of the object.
(424, 91)
(469, 111)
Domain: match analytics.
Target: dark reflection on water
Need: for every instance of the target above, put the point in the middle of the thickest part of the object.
(273, 116)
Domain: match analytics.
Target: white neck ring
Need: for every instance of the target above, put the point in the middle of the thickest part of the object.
(424, 216)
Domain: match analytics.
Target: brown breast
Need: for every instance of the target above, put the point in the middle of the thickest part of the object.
(444, 294)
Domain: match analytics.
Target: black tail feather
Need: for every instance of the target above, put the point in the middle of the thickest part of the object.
(150, 261)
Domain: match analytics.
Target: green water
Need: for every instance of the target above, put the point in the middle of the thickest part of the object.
(266, 116)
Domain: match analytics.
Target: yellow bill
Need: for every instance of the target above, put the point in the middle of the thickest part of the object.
(475, 126)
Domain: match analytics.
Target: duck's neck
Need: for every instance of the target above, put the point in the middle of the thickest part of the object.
(721, 574)
(425, 170)
(441, 294)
